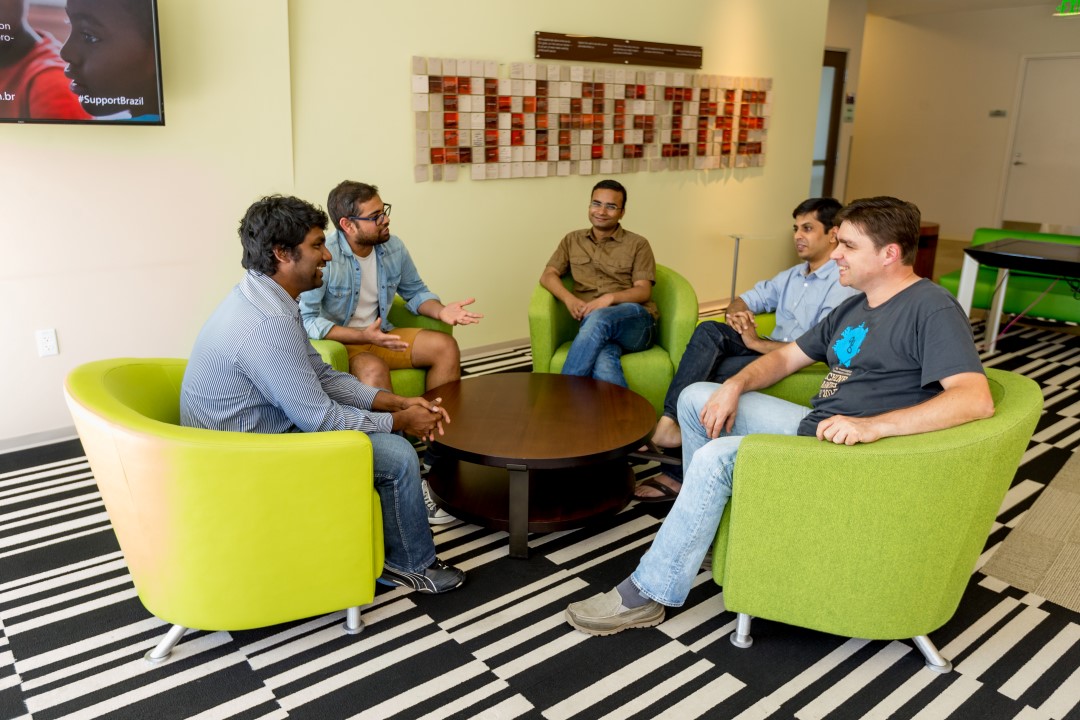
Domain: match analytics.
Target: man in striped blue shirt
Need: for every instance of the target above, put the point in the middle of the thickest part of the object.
(253, 369)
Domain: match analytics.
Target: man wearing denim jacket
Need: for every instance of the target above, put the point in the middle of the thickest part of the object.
(368, 268)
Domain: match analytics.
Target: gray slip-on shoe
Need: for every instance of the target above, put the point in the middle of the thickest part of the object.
(604, 614)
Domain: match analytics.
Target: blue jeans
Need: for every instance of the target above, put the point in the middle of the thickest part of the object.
(667, 571)
(407, 539)
(603, 337)
(715, 353)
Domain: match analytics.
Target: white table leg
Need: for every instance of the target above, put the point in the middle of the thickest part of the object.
(969, 272)
(995, 309)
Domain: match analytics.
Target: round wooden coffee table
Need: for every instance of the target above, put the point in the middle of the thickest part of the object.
(534, 452)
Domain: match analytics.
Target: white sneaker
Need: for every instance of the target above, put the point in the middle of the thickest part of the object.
(435, 514)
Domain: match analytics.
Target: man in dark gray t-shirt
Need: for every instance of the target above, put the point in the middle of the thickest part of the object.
(890, 356)
(902, 361)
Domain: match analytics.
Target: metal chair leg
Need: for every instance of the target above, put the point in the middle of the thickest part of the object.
(354, 624)
(163, 649)
(934, 660)
(741, 637)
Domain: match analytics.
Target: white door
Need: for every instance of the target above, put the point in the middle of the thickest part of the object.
(1044, 170)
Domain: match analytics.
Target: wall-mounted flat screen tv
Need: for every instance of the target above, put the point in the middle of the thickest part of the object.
(80, 61)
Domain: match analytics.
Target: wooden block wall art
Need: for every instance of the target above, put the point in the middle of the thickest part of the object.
(531, 120)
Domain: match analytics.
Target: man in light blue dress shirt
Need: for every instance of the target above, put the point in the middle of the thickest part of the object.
(801, 296)
(253, 369)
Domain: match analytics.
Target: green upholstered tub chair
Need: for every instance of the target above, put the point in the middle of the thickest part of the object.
(648, 373)
(873, 541)
(407, 382)
(226, 530)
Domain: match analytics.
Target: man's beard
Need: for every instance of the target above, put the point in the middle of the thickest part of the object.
(372, 242)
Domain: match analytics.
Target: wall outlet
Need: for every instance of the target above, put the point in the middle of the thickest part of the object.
(46, 343)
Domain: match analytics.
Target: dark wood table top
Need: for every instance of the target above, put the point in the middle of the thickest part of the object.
(541, 420)
(1046, 258)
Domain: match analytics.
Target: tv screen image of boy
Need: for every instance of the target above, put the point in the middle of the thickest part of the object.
(107, 51)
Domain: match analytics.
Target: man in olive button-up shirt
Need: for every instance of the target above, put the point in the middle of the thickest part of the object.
(613, 272)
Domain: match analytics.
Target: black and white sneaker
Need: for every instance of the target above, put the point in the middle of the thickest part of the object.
(435, 514)
(438, 578)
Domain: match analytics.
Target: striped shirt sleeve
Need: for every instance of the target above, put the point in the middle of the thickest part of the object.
(276, 360)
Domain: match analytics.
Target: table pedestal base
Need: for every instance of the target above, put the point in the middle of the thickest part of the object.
(520, 500)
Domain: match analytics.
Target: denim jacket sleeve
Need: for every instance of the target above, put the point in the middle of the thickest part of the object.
(311, 313)
(320, 311)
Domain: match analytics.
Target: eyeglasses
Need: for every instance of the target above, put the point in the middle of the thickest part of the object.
(610, 207)
(384, 213)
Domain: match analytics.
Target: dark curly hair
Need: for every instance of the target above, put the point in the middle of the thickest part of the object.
(276, 221)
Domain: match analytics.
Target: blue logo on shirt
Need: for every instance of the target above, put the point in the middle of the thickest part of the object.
(849, 344)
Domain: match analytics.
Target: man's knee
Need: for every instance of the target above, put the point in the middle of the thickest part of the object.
(716, 457)
(601, 324)
(694, 396)
(708, 331)
(364, 364)
(432, 347)
(446, 348)
(715, 334)
(394, 457)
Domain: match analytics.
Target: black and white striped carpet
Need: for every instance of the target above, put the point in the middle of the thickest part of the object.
(72, 631)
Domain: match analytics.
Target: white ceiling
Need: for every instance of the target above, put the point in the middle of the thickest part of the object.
(898, 8)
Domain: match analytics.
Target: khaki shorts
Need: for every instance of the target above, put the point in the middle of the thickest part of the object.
(394, 359)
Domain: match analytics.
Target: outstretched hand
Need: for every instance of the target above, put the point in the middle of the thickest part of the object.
(456, 314)
(374, 335)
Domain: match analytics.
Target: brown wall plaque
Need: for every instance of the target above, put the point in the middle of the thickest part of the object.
(588, 48)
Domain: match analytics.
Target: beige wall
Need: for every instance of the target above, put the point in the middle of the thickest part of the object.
(927, 86)
(123, 238)
(490, 240)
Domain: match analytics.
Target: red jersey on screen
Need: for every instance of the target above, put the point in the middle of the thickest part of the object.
(35, 87)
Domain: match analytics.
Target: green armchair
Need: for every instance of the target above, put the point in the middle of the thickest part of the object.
(407, 382)
(873, 541)
(225, 530)
(552, 329)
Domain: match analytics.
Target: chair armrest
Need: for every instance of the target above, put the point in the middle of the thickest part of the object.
(678, 305)
(400, 316)
(550, 325)
(333, 354)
